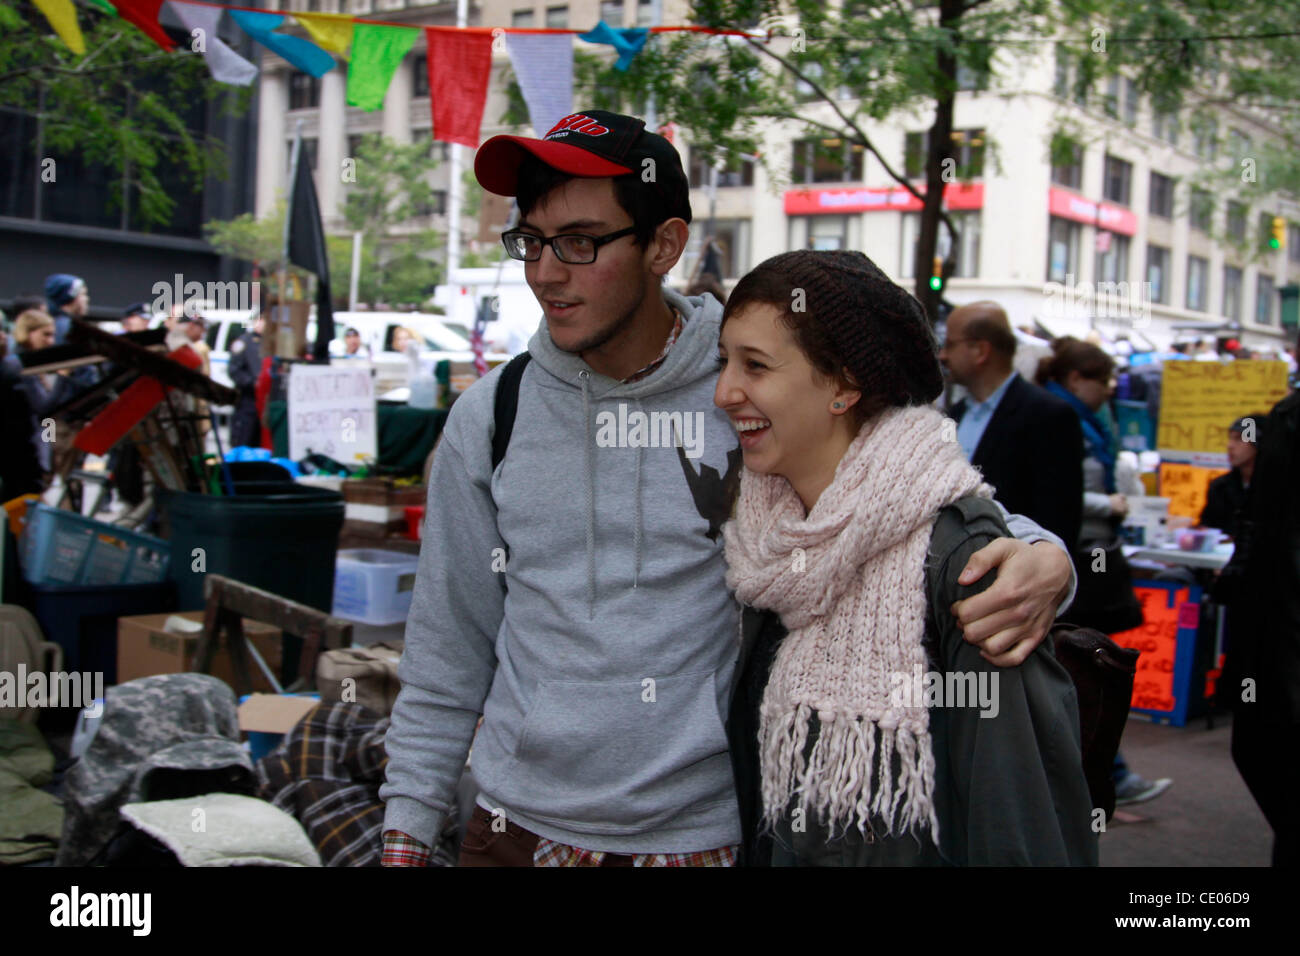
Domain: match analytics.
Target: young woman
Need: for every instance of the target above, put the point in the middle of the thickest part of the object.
(1084, 376)
(34, 330)
(865, 731)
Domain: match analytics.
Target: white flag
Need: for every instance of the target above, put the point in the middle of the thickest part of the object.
(225, 65)
(543, 65)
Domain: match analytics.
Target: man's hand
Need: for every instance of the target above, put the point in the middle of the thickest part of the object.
(1012, 617)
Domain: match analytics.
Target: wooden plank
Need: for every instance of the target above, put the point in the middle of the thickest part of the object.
(166, 370)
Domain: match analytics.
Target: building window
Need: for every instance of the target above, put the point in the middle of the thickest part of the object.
(1130, 102)
(521, 18)
(1232, 293)
(1112, 257)
(1119, 176)
(611, 11)
(304, 91)
(1158, 273)
(645, 10)
(1264, 295)
(1164, 126)
(1162, 196)
(967, 150)
(827, 161)
(968, 248)
(1062, 250)
(969, 78)
(1198, 282)
(732, 239)
(354, 144)
(1236, 220)
(1238, 144)
(823, 233)
(420, 75)
(1205, 138)
(1110, 103)
(1293, 242)
(738, 172)
(557, 18)
(1061, 85)
(1071, 175)
(1201, 209)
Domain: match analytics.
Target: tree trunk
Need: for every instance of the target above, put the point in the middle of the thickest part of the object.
(940, 149)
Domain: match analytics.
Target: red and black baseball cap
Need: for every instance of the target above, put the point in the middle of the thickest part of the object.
(593, 143)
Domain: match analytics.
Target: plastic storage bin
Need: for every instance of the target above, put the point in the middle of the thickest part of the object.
(373, 586)
(65, 548)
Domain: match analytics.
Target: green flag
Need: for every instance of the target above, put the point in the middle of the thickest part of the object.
(105, 6)
(377, 51)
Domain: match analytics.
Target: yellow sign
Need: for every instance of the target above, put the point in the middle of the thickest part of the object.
(1199, 400)
(1185, 486)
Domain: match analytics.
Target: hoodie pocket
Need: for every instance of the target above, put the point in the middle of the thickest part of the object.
(621, 756)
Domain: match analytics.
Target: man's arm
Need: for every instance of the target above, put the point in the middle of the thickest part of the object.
(1035, 583)
(449, 658)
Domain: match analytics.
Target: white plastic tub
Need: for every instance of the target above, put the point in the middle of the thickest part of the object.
(374, 586)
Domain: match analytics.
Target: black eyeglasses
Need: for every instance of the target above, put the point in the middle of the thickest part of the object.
(574, 248)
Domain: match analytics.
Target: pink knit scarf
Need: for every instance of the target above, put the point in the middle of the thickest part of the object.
(848, 581)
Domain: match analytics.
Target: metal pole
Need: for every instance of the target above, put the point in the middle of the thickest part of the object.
(651, 111)
(288, 211)
(454, 186)
(356, 272)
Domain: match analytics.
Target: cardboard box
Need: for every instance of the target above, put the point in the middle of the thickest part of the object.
(274, 713)
(144, 648)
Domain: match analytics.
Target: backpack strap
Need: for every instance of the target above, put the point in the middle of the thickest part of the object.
(505, 404)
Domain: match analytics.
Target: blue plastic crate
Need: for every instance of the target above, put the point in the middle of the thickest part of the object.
(62, 547)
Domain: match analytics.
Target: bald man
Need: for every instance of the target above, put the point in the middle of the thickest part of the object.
(1026, 441)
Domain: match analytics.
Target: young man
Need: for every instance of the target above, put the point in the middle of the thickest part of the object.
(574, 596)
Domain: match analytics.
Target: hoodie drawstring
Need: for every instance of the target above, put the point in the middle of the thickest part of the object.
(588, 445)
(636, 534)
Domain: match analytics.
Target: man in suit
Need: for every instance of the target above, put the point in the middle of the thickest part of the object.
(1026, 441)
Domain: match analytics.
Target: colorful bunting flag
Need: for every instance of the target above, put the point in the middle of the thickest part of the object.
(63, 18)
(333, 31)
(225, 65)
(377, 52)
(460, 67)
(303, 54)
(144, 14)
(628, 42)
(543, 64)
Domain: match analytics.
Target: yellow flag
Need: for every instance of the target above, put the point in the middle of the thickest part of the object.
(332, 31)
(63, 17)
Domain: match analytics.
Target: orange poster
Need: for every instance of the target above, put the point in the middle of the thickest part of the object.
(1186, 486)
(1157, 642)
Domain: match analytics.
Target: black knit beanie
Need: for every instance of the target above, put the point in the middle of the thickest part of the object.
(880, 331)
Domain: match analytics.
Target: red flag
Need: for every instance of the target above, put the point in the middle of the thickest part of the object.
(460, 65)
(144, 14)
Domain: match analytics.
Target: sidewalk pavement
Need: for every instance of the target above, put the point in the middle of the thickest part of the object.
(1207, 818)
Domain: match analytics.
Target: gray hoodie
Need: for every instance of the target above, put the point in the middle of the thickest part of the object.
(600, 652)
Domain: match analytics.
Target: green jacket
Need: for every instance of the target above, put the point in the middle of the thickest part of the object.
(1009, 789)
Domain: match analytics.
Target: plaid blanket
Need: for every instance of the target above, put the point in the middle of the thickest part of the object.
(326, 773)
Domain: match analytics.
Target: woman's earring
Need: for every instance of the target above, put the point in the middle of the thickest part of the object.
(837, 404)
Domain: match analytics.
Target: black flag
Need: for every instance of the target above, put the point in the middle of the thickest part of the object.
(307, 249)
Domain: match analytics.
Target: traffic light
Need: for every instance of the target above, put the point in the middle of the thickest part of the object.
(1279, 233)
(936, 277)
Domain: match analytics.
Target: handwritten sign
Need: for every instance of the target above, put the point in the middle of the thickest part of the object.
(1157, 644)
(1186, 487)
(332, 412)
(1199, 400)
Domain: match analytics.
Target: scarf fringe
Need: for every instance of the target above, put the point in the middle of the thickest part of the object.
(847, 779)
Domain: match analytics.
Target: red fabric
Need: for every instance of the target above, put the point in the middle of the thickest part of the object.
(136, 401)
(460, 65)
(144, 14)
(261, 391)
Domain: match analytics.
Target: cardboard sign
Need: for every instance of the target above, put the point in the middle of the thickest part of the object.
(1157, 643)
(1186, 487)
(1199, 400)
(332, 412)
